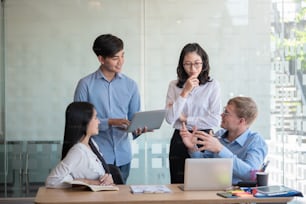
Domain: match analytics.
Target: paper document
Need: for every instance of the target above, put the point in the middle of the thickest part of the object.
(149, 189)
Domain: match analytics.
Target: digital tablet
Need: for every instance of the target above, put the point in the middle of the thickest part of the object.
(151, 119)
(276, 189)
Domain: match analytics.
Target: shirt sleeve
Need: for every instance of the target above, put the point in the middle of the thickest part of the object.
(62, 172)
(134, 105)
(174, 106)
(81, 91)
(82, 94)
(254, 157)
(249, 161)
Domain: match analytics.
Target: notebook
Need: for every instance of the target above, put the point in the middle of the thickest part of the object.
(207, 174)
(151, 119)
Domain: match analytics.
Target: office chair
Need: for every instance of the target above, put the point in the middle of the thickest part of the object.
(116, 174)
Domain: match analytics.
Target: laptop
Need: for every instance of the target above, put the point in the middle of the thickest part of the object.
(151, 119)
(207, 174)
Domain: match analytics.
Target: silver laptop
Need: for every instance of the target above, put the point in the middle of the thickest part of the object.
(151, 119)
(208, 174)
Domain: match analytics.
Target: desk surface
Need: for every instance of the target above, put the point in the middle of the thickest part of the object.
(177, 196)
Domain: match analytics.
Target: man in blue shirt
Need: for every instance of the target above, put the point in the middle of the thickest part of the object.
(116, 99)
(247, 149)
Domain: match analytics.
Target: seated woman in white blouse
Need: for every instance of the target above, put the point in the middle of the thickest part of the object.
(81, 159)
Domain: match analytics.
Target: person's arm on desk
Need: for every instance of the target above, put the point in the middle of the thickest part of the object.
(106, 179)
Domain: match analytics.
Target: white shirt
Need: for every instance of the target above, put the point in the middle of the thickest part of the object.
(80, 162)
(202, 106)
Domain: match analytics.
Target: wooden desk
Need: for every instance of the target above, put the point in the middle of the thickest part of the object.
(177, 196)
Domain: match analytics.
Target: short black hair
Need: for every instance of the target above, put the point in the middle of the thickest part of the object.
(107, 45)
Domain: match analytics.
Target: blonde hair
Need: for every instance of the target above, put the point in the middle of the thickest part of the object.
(245, 108)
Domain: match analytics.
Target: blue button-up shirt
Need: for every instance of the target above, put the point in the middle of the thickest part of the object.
(248, 152)
(118, 98)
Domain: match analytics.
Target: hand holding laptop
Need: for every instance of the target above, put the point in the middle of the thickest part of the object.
(142, 122)
(123, 124)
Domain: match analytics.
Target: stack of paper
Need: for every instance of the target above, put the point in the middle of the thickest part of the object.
(149, 189)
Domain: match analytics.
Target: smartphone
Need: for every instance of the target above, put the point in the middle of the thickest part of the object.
(207, 131)
(226, 195)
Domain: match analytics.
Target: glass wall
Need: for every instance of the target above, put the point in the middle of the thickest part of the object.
(288, 77)
(47, 49)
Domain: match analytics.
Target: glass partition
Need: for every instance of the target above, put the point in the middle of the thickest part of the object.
(254, 50)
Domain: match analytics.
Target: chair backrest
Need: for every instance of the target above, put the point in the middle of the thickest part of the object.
(116, 174)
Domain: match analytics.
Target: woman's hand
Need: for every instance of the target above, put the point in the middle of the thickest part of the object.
(189, 85)
(89, 181)
(106, 179)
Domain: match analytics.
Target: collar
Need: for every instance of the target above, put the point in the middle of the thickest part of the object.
(240, 139)
(100, 75)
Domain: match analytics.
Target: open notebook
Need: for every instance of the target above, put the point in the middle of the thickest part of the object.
(207, 174)
(93, 187)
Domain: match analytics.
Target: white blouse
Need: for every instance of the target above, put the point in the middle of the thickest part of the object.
(79, 163)
(202, 106)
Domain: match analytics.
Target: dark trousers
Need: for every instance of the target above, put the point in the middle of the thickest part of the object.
(177, 155)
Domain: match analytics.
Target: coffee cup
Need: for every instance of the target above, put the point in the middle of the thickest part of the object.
(262, 178)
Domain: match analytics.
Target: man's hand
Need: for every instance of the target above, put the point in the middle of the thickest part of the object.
(208, 141)
(187, 137)
(119, 122)
(183, 118)
(139, 131)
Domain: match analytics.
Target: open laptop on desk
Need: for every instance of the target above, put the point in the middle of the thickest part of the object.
(207, 174)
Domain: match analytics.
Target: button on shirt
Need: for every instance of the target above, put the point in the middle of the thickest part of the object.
(248, 152)
(118, 98)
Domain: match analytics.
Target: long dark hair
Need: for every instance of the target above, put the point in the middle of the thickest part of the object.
(182, 75)
(78, 115)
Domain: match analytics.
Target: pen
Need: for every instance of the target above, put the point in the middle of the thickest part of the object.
(264, 166)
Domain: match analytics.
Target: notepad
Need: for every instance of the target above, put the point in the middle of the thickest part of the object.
(94, 187)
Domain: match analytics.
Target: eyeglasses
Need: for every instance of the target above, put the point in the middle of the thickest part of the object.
(189, 65)
(225, 112)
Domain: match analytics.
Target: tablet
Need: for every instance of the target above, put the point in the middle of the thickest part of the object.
(276, 189)
(151, 119)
